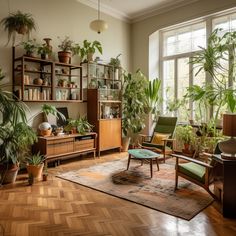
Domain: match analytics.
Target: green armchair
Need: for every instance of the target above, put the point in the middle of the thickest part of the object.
(196, 171)
(161, 140)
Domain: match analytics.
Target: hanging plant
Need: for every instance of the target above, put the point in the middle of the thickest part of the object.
(22, 23)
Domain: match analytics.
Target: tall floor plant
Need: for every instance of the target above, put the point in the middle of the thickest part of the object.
(134, 104)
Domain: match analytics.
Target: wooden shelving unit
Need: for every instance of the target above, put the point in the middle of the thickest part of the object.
(27, 71)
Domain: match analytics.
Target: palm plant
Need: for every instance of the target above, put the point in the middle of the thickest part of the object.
(153, 97)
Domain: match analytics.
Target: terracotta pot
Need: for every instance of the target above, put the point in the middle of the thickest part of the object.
(8, 173)
(186, 146)
(22, 30)
(35, 171)
(46, 132)
(64, 57)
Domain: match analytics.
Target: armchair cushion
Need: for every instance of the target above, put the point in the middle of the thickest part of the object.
(153, 145)
(193, 170)
(158, 138)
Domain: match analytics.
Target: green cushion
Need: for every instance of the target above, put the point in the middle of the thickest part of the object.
(193, 170)
(143, 153)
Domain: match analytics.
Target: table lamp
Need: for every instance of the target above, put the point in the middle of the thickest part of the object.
(228, 147)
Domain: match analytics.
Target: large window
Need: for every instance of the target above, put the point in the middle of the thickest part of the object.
(177, 47)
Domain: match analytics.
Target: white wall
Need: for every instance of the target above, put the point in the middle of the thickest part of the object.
(66, 18)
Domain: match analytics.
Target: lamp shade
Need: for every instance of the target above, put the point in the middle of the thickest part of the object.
(229, 125)
(98, 25)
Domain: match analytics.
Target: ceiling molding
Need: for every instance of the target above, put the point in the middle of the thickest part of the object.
(107, 10)
(160, 10)
(142, 15)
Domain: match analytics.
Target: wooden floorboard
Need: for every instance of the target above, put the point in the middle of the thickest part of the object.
(58, 208)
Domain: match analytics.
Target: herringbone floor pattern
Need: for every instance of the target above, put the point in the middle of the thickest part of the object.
(58, 207)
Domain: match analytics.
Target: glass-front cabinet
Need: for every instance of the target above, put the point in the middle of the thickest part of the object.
(104, 103)
(100, 76)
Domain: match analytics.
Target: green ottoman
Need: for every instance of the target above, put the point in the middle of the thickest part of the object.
(143, 154)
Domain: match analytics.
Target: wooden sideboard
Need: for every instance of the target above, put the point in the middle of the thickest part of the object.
(66, 146)
(228, 167)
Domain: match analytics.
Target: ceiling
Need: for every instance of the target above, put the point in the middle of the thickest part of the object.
(135, 10)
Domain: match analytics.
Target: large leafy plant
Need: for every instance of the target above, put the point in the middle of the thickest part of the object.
(15, 134)
(219, 93)
(134, 103)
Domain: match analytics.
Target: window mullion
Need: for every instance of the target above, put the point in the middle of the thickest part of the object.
(176, 79)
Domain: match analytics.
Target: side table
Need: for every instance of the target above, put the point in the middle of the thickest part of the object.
(228, 185)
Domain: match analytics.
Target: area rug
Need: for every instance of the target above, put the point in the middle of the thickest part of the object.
(136, 185)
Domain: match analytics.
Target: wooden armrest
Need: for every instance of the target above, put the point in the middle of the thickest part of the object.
(192, 160)
(169, 139)
(144, 137)
(207, 154)
(154, 149)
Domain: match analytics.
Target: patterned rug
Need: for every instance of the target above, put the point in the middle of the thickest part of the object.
(136, 185)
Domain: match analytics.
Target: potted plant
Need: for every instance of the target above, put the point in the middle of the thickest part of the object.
(134, 105)
(34, 165)
(83, 126)
(15, 134)
(89, 48)
(115, 62)
(66, 47)
(62, 82)
(30, 47)
(71, 126)
(22, 23)
(186, 135)
(44, 51)
(218, 93)
(80, 125)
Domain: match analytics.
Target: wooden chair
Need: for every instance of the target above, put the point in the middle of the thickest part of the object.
(162, 139)
(196, 171)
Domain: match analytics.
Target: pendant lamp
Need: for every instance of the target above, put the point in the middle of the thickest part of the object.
(98, 25)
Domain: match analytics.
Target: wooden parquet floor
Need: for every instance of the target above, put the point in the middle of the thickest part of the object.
(58, 207)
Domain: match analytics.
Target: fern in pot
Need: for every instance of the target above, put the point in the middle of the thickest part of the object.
(18, 22)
